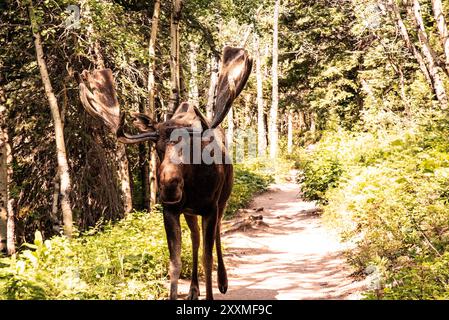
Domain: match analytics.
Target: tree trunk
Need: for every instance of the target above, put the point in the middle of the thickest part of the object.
(121, 157)
(275, 95)
(214, 64)
(429, 55)
(261, 134)
(193, 87)
(230, 131)
(174, 57)
(302, 121)
(63, 166)
(144, 167)
(123, 173)
(312, 116)
(290, 132)
(404, 34)
(151, 98)
(7, 222)
(442, 29)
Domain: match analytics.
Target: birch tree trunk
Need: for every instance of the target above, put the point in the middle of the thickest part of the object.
(63, 166)
(261, 134)
(275, 94)
(230, 131)
(290, 132)
(214, 63)
(4, 183)
(193, 85)
(395, 14)
(174, 57)
(429, 55)
(151, 98)
(442, 29)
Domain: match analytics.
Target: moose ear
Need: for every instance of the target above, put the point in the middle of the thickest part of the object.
(143, 122)
(234, 73)
(191, 112)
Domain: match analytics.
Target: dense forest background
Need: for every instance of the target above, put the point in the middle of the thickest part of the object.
(352, 93)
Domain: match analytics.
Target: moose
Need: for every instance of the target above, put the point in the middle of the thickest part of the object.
(192, 189)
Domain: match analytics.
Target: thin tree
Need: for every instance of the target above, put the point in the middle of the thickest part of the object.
(151, 97)
(174, 57)
(193, 85)
(429, 54)
(290, 131)
(214, 64)
(275, 92)
(63, 166)
(261, 134)
(396, 16)
(442, 29)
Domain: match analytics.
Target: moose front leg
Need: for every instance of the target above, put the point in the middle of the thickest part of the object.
(209, 223)
(173, 231)
(192, 222)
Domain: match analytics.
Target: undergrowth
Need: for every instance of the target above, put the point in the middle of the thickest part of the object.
(388, 194)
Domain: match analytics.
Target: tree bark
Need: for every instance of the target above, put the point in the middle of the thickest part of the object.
(63, 166)
(121, 157)
(214, 64)
(193, 86)
(4, 181)
(261, 134)
(442, 29)
(230, 131)
(302, 121)
(290, 132)
(275, 93)
(151, 98)
(174, 57)
(429, 55)
(394, 10)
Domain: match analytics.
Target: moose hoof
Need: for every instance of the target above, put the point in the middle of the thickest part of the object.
(194, 293)
(223, 288)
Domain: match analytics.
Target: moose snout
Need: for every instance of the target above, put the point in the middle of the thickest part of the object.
(171, 189)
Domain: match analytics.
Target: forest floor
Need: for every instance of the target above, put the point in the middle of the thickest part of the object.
(278, 249)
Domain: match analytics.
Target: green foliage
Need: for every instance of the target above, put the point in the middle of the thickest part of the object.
(316, 177)
(391, 203)
(125, 260)
(249, 179)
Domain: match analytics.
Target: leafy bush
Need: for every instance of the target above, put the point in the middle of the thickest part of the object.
(316, 177)
(126, 260)
(391, 202)
(247, 182)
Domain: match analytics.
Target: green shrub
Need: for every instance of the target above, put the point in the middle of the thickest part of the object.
(126, 260)
(247, 183)
(390, 202)
(317, 176)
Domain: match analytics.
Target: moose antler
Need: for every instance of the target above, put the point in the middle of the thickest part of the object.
(103, 105)
(235, 70)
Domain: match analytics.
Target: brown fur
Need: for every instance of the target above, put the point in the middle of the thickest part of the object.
(195, 190)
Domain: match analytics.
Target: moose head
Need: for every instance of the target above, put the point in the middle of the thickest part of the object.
(191, 189)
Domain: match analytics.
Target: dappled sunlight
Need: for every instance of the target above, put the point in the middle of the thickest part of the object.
(294, 257)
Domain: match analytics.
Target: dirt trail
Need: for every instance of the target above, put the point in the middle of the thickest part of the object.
(294, 257)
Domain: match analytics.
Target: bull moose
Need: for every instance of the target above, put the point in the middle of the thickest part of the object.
(200, 189)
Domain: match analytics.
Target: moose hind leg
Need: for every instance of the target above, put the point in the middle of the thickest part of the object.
(173, 231)
(222, 277)
(192, 222)
(209, 230)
